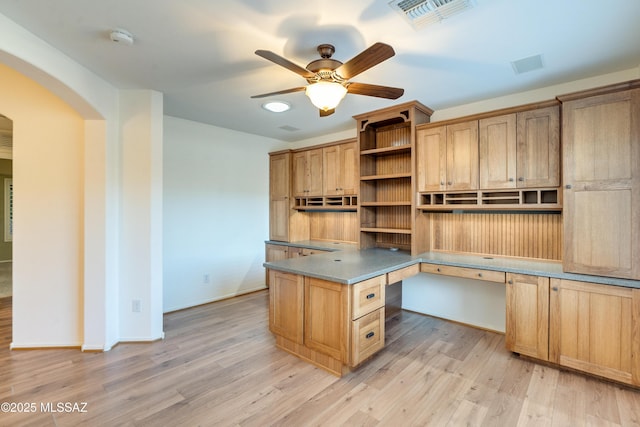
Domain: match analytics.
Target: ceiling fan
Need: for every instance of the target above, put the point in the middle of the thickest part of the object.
(328, 78)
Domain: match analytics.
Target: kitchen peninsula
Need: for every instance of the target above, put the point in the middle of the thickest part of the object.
(437, 199)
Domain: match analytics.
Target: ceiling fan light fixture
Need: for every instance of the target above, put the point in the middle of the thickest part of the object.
(276, 106)
(325, 95)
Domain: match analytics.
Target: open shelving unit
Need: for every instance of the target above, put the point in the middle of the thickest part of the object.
(387, 203)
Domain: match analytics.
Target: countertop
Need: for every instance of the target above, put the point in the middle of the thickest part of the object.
(348, 265)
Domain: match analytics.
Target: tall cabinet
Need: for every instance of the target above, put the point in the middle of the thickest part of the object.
(601, 137)
(279, 187)
(387, 163)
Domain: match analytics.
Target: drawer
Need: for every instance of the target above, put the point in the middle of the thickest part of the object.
(403, 273)
(367, 296)
(469, 273)
(367, 336)
(307, 251)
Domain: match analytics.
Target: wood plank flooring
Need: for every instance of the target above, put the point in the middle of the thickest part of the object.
(218, 367)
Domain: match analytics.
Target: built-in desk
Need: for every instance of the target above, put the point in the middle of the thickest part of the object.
(329, 308)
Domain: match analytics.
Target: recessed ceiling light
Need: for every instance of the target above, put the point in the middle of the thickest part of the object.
(276, 106)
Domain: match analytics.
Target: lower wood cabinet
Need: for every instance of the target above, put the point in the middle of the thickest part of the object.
(286, 310)
(326, 311)
(595, 329)
(527, 322)
(333, 325)
(588, 327)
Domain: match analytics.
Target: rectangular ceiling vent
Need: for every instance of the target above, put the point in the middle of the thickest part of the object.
(420, 13)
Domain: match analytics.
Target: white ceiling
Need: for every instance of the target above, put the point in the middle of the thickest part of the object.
(200, 53)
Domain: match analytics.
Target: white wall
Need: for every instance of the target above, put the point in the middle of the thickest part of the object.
(140, 237)
(216, 212)
(468, 301)
(48, 139)
(68, 250)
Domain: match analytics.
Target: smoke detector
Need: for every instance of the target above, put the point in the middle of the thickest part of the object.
(420, 13)
(121, 36)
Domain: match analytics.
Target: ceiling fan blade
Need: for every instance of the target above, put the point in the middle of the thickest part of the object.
(375, 90)
(327, 113)
(279, 60)
(364, 60)
(280, 92)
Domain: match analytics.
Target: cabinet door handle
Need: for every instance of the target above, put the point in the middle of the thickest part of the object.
(450, 183)
(555, 289)
(438, 269)
(371, 296)
(370, 335)
(521, 179)
(568, 186)
(510, 282)
(510, 179)
(479, 274)
(441, 182)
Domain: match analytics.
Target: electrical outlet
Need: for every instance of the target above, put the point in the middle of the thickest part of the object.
(206, 279)
(135, 306)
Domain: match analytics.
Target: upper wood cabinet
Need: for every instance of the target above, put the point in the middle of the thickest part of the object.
(340, 174)
(462, 156)
(601, 138)
(448, 157)
(431, 149)
(520, 150)
(279, 187)
(538, 152)
(307, 172)
(497, 152)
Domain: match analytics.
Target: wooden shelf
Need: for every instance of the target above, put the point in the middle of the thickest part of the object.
(386, 230)
(387, 150)
(378, 204)
(385, 176)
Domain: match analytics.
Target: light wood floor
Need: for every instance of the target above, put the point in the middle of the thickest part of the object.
(218, 366)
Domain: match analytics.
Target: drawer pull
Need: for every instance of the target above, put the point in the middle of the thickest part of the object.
(438, 269)
(371, 296)
(370, 335)
(479, 274)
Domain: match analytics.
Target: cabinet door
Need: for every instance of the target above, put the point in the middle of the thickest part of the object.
(279, 185)
(462, 156)
(527, 323)
(286, 298)
(331, 171)
(539, 148)
(340, 170)
(498, 152)
(431, 151)
(314, 166)
(594, 328)
(349, 179)
(307, 173)
(300, 179)
(601, 137)
(327, 322)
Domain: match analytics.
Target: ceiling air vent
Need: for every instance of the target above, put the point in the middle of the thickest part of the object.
(420, 13)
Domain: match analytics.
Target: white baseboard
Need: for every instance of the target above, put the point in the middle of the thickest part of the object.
(35, 346)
